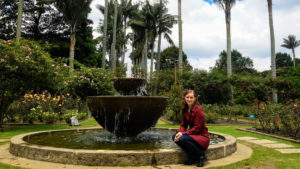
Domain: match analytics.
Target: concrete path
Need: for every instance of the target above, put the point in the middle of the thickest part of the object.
(271, 144)
(243, 152)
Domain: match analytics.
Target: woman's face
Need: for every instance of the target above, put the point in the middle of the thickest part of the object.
(190, 99)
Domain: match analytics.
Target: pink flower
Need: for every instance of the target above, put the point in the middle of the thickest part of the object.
(282, 91)
(295, 106)
(17, 67)
(244, 84)
(65, 65)
(27, 57)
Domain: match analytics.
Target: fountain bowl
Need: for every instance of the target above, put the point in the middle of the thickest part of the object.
(126, 115)
(19, 147)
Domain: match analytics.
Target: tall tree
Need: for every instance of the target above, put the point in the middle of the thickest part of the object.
(272, 38)
(8, 17)
(19, 20)
(226, 5)
(74, 12)
(113, 45)
(104, 42)
(291, 43)
(180, 59)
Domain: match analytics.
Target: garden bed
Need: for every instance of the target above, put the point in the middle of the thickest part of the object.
(253, 130)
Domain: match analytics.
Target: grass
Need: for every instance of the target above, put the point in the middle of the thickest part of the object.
(262, 157)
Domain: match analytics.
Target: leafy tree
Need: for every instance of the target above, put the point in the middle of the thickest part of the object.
(240, 63)
(226, 5)
(291, 43)
(74, 12)
(169, 58)
(283, 60)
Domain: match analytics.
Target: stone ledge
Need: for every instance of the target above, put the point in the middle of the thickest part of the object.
(19, 147)
(271, 135)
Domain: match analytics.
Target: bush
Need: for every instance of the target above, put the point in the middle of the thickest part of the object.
(174, 103)
(50, 117)
(211, 113)
(90, 82)
(25, 66)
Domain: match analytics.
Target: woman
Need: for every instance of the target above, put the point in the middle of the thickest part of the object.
(195, 139)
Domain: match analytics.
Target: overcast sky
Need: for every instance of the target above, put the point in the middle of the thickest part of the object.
(204, 31)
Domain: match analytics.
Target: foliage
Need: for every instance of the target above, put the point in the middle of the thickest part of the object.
(174, 102)
(283, 60)
(239, 62)
(74, 112)
(169, 58)
(249, 88)
(25, 66)
(211, 113)
(279, 118)
(90, 82)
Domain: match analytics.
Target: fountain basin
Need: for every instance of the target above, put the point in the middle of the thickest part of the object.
(126, 116)
(21, 148)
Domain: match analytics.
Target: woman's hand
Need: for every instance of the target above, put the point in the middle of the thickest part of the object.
(178, 135)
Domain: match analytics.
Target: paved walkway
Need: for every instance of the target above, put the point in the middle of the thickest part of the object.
(281, 147)
(243, 152)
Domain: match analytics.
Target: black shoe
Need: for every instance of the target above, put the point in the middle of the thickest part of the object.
(202, 160)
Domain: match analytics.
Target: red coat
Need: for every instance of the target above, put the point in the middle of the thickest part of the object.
(197, 129)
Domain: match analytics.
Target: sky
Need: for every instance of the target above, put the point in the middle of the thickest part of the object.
(204, 31)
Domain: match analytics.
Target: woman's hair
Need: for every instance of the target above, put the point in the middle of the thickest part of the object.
(184, 105)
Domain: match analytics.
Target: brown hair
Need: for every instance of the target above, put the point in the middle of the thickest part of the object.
(184, 105)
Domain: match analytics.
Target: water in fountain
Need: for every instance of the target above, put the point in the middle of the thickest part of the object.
(129, 114)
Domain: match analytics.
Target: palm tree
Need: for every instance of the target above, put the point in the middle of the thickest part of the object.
(104, 34)
(291, 43)
(226, 5)
(180, 59)
(273, 59)
(19, 21)
(74, 12)
(127, 10)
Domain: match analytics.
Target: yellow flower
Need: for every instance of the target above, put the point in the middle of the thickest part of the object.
(68, 94)
(59, 105)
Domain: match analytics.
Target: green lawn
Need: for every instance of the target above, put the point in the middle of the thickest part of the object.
(262, 157)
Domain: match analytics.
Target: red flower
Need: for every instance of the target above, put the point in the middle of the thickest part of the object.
(282, 91)
(251, 106)
(277, 122)
(244, 84)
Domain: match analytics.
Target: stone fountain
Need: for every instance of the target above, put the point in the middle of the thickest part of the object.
(129, 114)
(125, 117)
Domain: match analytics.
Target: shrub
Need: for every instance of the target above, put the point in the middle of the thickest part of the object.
(174, 102)
(50, 117)
(25, 66)
(90, 82)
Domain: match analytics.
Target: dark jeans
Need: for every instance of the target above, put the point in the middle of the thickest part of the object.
(190, 146)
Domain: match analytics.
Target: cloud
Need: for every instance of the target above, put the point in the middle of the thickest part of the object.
(204, 31)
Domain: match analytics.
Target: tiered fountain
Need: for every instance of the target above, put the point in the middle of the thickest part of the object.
(125, 117)
(129, 114)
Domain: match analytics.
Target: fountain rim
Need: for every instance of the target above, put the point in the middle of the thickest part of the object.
(19, 140)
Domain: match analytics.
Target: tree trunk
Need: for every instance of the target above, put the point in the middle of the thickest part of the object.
(19, 21)
(144, 56)
(180, 59)
(113, 46)
(273, 62)
(294, 57)
(104, 35)
(72, 47)
(151, 64)
(124, 47)
(229, 65)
